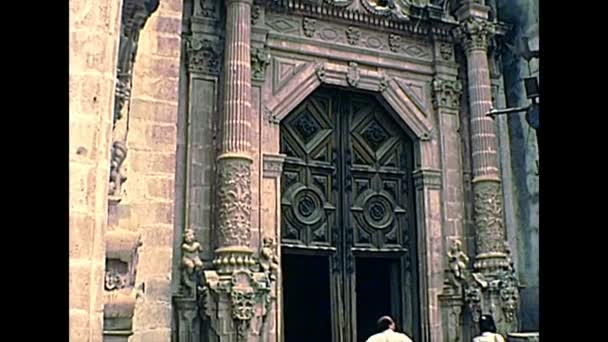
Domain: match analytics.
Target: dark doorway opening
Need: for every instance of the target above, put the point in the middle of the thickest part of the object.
(306, 298)
(377, 293)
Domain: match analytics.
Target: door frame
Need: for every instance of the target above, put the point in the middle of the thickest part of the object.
(416, 119)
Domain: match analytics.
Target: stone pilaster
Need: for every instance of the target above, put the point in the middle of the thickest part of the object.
(492, 285)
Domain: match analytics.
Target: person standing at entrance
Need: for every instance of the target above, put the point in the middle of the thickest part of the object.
(387, 333)
(487, 328)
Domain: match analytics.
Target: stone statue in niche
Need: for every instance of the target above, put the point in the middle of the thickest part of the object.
(268, 258)
(117, 178)
(190, 258)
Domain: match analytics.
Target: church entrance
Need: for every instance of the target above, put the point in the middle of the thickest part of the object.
(348, 230)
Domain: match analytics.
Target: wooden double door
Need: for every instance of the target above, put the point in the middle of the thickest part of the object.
(348, 227)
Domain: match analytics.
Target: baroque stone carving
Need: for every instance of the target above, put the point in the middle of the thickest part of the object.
(383, 83)
(309, 25)
(203, 55)
(488, 217)
(446, 93)
(353, 76)
(117, 178)
(269, 261)
(394, 42)
(474, 33)
(120, 291)
(234, 202)
(385, 8)
(207, 8)
(190, 260)
(135, 13)
(255, 14)
(320, 72)
(352, 35)
(445, 50)
(260, 58)
(457, 261)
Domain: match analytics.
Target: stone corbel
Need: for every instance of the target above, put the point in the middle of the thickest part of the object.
(120, 292)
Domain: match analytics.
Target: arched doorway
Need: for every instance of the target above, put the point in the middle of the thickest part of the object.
(348, 227)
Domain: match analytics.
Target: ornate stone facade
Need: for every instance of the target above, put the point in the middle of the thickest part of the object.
(249, 73)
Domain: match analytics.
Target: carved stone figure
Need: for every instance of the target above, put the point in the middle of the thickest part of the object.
(117, 178)
(190, 258)
(458, 261)
(268, 258)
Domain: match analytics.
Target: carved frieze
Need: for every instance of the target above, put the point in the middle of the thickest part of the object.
(446, 51)
(203, 55)
(260, 58)
(234, 202)
(446, 93)
(256, 12)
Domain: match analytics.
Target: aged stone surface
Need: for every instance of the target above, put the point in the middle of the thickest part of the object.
(234, 202)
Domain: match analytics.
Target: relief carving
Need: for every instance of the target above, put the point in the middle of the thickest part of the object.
(207, 9)
(457, 261)
(353, 76)
(256, 12)
(383, 83)
(394, 42)
(260, 58)
(474, 33)
(117, 178)
(203, 55)
(445, 50)
(446, 93)
(488, 218)
(269, 261)
(320, 72)
(352, 35)
(234, 202)
(309, 26)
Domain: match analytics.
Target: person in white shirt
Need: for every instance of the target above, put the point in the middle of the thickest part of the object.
(487, 328)
(387, 333)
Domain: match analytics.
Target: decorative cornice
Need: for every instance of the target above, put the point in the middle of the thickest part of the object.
(273, 165)
(392, 16)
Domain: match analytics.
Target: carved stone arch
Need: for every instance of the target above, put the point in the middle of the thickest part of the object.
(314, 74)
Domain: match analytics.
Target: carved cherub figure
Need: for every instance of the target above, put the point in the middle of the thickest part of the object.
(458, 260)
(119, 153)
(268, 259)
(190, 252)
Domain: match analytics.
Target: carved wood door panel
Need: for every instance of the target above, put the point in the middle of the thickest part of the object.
(346, 193)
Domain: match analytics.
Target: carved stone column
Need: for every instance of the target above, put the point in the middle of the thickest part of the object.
(235, 297)
(234, 162)
(493, 274)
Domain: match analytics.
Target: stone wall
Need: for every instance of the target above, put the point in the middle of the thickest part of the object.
(147, 204)
(94, 30)
(523, 189)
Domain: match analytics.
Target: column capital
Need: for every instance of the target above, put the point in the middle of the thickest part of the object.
(475, 32)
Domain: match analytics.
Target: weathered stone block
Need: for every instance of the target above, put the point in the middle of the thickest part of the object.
(165, 89)
(158, 236)
(152, 315)
(149, 162)
(82, 186)
(167, 67)
(82, 227)
(79, 325)
(151, 213)
(167, 46)
(79, 281)
(158, 289)
(168, 24)
(155, 261)
(151, 110)
(161, 187)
